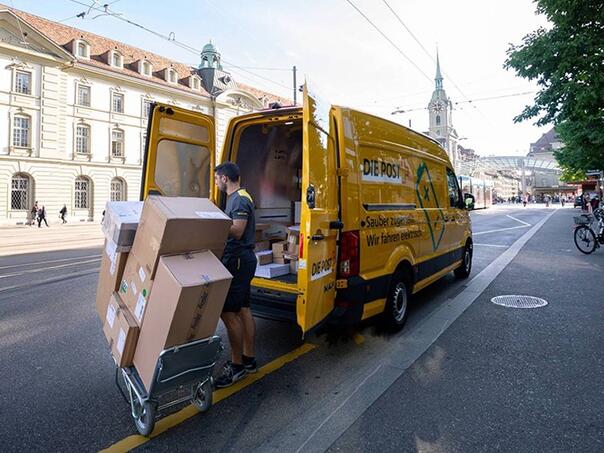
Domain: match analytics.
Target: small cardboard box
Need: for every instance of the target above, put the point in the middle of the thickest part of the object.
(260, 228)
(110, 276)
(293, 267)
(279, 248)
(263, 245)
(272, 270)
(291, 256)
(280, 260)
(189, 291)
(121, 221)
(172, 225)
(121, 331)
(264, 257)
(135, 287)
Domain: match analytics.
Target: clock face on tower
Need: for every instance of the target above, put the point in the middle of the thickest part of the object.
(438, 106)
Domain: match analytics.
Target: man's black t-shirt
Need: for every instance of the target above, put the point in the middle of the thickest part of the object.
(240, 206)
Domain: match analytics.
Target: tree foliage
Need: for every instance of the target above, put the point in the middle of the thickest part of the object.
(566, 60)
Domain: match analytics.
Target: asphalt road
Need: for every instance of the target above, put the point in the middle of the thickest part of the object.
(58, 390)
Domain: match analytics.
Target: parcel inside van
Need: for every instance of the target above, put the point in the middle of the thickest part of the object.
(365, 211)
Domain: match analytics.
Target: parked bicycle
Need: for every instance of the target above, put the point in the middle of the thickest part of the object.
(586, 239)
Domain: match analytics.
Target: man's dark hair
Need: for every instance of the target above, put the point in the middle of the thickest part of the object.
(228, 169)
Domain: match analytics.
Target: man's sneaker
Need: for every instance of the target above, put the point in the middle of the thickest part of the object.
(230, 374)
(250, 364)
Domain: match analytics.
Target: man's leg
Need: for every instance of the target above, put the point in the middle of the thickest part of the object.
(249, 331)
(234, 328)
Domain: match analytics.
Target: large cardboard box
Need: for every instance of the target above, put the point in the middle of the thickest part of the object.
(110, 276)
(188, 294)
(121, 331)
(171, 225)
(121, 221)
(135, 287)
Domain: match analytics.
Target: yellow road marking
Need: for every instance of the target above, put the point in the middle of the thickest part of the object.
(177, 418)
(358, 338)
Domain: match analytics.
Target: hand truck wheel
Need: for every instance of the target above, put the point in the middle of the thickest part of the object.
(202, 395)
(145, 418)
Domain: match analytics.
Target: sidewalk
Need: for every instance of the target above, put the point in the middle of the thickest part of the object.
(16, 240)
(504, 379)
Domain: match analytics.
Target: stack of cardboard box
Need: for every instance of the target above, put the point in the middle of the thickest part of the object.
(172, 285)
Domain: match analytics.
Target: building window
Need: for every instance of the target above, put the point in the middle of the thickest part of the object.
(147, 109)
(23, 82)
(82, 193)
(84, 95)
(146, 68)
(171, 76)
(117, 103)
(195, 83)
(82, 139)
(118, 189)
(438, 120)
(117, 143)
(21, 131)
(20, 192)
(116, 60)
(82, 50)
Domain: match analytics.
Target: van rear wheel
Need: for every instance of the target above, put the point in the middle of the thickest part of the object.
(397, 303)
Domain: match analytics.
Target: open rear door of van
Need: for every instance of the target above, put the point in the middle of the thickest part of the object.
(179, 153)
(317, 265)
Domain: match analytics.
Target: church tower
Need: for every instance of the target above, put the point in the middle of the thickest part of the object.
(214, 79)
(440, 108)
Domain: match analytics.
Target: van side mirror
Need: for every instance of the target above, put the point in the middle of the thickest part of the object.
(469, 201)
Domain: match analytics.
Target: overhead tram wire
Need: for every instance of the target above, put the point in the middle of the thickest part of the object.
(83, 13)
(430, 55)
(389, 40)
(180, 44)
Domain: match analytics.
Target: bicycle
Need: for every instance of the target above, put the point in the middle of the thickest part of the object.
(586, 239)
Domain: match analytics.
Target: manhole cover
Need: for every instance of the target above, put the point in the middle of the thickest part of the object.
(519, 301)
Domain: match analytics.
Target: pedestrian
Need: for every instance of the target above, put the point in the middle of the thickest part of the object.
(595, 203)
(240, 260)
(34, 214)
(524, 200)
(63, 214)
(42, 216)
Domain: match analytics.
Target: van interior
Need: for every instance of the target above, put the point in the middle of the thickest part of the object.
(269, 155)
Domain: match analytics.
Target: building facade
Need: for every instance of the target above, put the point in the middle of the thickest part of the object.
(75, 108)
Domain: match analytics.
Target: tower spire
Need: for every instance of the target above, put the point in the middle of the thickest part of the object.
(439, 78)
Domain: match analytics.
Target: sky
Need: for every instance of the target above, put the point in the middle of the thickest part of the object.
(344, 57)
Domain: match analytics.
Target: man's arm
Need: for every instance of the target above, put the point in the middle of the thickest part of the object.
(237, 228)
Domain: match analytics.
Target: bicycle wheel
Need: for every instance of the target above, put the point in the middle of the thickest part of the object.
(585, 239)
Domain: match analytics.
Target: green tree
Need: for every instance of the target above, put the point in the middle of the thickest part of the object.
(566, 60)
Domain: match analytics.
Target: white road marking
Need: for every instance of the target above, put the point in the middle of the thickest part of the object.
(50, 261)
(492, 245)
(32, 271)
(49, 280)
(518, 220)
(500, 229)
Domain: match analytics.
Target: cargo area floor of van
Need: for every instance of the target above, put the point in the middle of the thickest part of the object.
(288, 278)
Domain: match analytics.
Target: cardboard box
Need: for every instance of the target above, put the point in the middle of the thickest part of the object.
(188, 294)
(263, 245)
(279, 248)
(121, 221)
(172, 225)
(110, 276)
(291, 256)
(293, 267)
(297, 211)
(272, 270)
(260, 228)
(121, 331)
(264, 257)
(135, 287)
(280, 260)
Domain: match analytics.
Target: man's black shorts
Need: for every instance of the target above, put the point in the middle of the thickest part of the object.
(242, 268)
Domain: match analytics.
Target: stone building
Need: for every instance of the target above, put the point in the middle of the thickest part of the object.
(75, 108)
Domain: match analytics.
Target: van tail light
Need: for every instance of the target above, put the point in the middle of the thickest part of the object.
(301, 250)
(349, 258)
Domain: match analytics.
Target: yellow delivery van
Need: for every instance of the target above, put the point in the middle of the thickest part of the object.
(380, 211)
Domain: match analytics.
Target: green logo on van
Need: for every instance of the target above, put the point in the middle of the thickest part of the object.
(428, 201)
